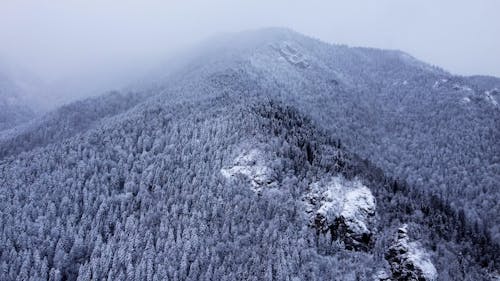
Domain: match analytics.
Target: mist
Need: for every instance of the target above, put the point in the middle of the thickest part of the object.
(79, 48)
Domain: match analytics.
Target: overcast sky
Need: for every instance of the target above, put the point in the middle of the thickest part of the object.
(54, 38)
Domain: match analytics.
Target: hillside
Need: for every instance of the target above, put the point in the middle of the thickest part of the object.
(207, 184)
(13, 110)
(67, 121)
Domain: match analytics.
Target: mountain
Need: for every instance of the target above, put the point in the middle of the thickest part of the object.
(419, 123)
(260, 155)
(13, 109)
(67, 121)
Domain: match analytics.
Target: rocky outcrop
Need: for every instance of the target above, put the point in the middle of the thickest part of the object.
(292, 55)
(382, 275)
(492, 96)
(251, 164)
(344, 209)
(408, 260)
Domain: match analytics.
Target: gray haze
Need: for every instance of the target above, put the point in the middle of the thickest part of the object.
(59, 40)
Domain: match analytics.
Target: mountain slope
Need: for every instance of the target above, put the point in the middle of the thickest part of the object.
(13, 110)
(421, 124)
(139, 192)
(67, 121)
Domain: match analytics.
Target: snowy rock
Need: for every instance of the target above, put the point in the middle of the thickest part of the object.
(251, 165)
(409, 260)
(345, 209)
(439, 83)
(292, 55)
(465, 100)
(458, 87)
(492, 96)
(495, 276)
(382, 275)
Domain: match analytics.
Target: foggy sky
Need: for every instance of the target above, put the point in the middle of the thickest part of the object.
(56, 38)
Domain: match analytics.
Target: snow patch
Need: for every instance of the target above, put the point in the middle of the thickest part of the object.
(399, 82)
(458, 87)
(292, 55)
(465, 100)
(251, 165)
(439, 82)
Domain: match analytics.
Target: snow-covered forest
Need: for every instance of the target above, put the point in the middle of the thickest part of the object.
(262, 155)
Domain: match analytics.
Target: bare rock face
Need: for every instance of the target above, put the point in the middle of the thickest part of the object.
(408, 260)
(251, 164)
(345, 209)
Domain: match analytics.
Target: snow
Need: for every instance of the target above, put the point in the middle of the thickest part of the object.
(421, 260)
(331, 199)
(467, 89)
(495, 277)
(463, 88)
(292, 55)
(439, 82)
(381, 275)
(251, 164)
(359, 205)
(342, 198)
(490, 98)
(465, 100)
(455, 86)
(416, 254)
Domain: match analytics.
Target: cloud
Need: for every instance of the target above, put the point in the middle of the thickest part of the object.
(58, 37)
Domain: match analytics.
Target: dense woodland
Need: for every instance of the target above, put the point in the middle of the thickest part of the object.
(142, 198)
(65, 122)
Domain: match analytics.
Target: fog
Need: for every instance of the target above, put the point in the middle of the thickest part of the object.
(80, 41)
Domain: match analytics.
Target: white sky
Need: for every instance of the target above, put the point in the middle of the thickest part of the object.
(54, 38)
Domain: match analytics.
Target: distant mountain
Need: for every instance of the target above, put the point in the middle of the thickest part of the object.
(13, 108)
(255, 156)
(67, 121)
